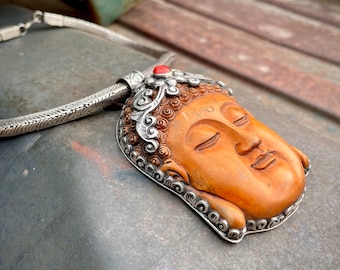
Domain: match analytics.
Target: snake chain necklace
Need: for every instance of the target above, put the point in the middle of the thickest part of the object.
(188, 134)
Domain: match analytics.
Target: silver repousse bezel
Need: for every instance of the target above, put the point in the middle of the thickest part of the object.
(145, 125)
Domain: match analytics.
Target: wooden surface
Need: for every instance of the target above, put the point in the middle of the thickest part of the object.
(235, 36)
(326, 11)
(271, 23)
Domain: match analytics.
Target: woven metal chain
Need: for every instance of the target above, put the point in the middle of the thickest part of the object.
(90, 104)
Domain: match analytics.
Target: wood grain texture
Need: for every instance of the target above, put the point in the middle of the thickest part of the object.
(271, 23)
(326, 11)
(235, 51)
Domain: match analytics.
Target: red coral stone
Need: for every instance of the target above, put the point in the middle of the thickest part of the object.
(163, 69)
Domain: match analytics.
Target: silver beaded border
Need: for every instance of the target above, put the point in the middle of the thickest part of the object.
(198, 204)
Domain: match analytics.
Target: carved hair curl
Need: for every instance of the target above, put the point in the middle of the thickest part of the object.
(164, 113)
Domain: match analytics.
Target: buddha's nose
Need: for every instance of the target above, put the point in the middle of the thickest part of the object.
(245, 141)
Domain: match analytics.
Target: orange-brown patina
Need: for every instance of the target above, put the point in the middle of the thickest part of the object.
(239, 165)
(226, 156)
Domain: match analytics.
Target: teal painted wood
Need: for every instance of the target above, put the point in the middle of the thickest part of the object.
(110, 10)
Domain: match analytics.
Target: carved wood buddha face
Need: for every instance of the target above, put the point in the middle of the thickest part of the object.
(224, 151)
(190, 135)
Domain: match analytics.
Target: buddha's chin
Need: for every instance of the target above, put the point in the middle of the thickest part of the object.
(278, 194)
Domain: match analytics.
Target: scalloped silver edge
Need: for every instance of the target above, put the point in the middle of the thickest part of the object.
(199, 205)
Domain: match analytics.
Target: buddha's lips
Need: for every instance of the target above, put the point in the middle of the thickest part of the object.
(263, 161)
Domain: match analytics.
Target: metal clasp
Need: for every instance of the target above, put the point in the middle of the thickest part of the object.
(19, 30)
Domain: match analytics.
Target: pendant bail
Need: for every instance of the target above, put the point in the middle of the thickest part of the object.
(132, 79)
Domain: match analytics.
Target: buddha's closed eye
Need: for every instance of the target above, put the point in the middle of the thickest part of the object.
(241, 120)
(235, 114)
(208, 143)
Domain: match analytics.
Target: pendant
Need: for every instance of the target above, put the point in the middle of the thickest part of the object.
(188, 134)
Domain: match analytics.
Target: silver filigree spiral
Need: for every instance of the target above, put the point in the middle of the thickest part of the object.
(133, 79)
(223, 225)
(202, 206)
(143, 103)
(190, 197)
(149, 100)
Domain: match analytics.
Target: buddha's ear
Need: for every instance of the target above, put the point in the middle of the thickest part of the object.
(229, 211)
(302, 156)
(174, 169)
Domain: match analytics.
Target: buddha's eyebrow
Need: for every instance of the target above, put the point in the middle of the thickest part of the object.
(198, 124)
(225, 105)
